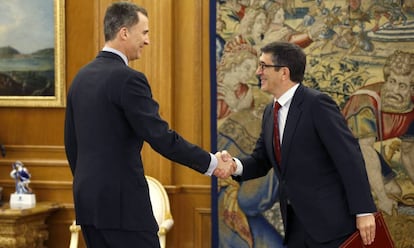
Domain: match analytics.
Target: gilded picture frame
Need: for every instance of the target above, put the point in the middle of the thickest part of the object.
(36, 78)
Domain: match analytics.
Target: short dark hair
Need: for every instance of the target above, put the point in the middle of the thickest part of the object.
(289, 55)
(121, 14)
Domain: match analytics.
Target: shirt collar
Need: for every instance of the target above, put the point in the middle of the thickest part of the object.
(287, 96)
(112, 50)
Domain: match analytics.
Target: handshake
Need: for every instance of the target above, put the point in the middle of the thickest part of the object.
(226, 165)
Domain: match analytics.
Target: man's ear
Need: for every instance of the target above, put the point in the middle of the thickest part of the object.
(286, 73)
(123, 33)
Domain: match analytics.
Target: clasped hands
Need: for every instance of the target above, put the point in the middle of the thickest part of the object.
(226, 165)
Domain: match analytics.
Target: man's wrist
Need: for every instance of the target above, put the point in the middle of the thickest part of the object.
(239, 167)
(212, 166)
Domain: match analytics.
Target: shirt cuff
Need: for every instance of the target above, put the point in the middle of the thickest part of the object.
(212, 166)
(364, 214)
(239, 168)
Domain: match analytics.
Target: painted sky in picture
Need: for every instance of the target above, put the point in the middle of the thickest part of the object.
(27, 25)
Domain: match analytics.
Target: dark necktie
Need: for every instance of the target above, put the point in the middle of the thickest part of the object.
(276, 137)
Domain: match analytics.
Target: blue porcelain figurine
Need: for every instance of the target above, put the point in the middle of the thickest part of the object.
(22, 177)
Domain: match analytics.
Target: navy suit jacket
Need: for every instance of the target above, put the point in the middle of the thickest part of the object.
(110, 113)
(322, 169)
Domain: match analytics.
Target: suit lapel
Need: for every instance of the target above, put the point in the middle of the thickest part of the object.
(291, 122)
(268, 129)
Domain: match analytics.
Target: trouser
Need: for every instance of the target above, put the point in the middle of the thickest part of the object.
(116, 238)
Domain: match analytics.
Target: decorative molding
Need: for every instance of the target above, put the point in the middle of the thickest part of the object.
(36, 162)
(64, 185)
(12, 149)
(40, 184)
(35, 156)
(195, 189)
(202, 227)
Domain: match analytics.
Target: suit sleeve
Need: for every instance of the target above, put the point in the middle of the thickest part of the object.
(142, 113)
(344, 150)
(258, 163)
(70, 137)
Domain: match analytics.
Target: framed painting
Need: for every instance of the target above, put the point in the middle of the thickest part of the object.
(32, 53)
(360, 53)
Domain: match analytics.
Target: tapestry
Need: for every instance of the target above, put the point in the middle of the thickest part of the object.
(361, 53)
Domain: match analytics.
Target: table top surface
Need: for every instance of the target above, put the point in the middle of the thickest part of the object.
(40, 207)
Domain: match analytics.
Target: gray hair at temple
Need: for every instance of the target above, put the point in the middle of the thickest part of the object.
(119, 15)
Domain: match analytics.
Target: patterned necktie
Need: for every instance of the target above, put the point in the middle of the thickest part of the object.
(276, 133)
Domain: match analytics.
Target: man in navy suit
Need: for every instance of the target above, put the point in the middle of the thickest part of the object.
(110, 113)
(323, 186)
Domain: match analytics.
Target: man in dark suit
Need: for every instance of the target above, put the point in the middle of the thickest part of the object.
(110, 113)
(323, 187)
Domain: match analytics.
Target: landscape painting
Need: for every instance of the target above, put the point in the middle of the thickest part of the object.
(32, 53)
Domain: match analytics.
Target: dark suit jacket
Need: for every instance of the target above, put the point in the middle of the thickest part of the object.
(322, 169)
(110, 113)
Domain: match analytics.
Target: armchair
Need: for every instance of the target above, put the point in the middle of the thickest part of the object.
(161, 209)
(74, 235)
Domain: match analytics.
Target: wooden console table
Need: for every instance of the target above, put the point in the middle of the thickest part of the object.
(25, 228)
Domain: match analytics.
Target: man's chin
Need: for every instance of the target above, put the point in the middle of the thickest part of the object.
(397, 108)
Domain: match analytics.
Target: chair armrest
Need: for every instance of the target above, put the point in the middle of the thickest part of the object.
(165, 226)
